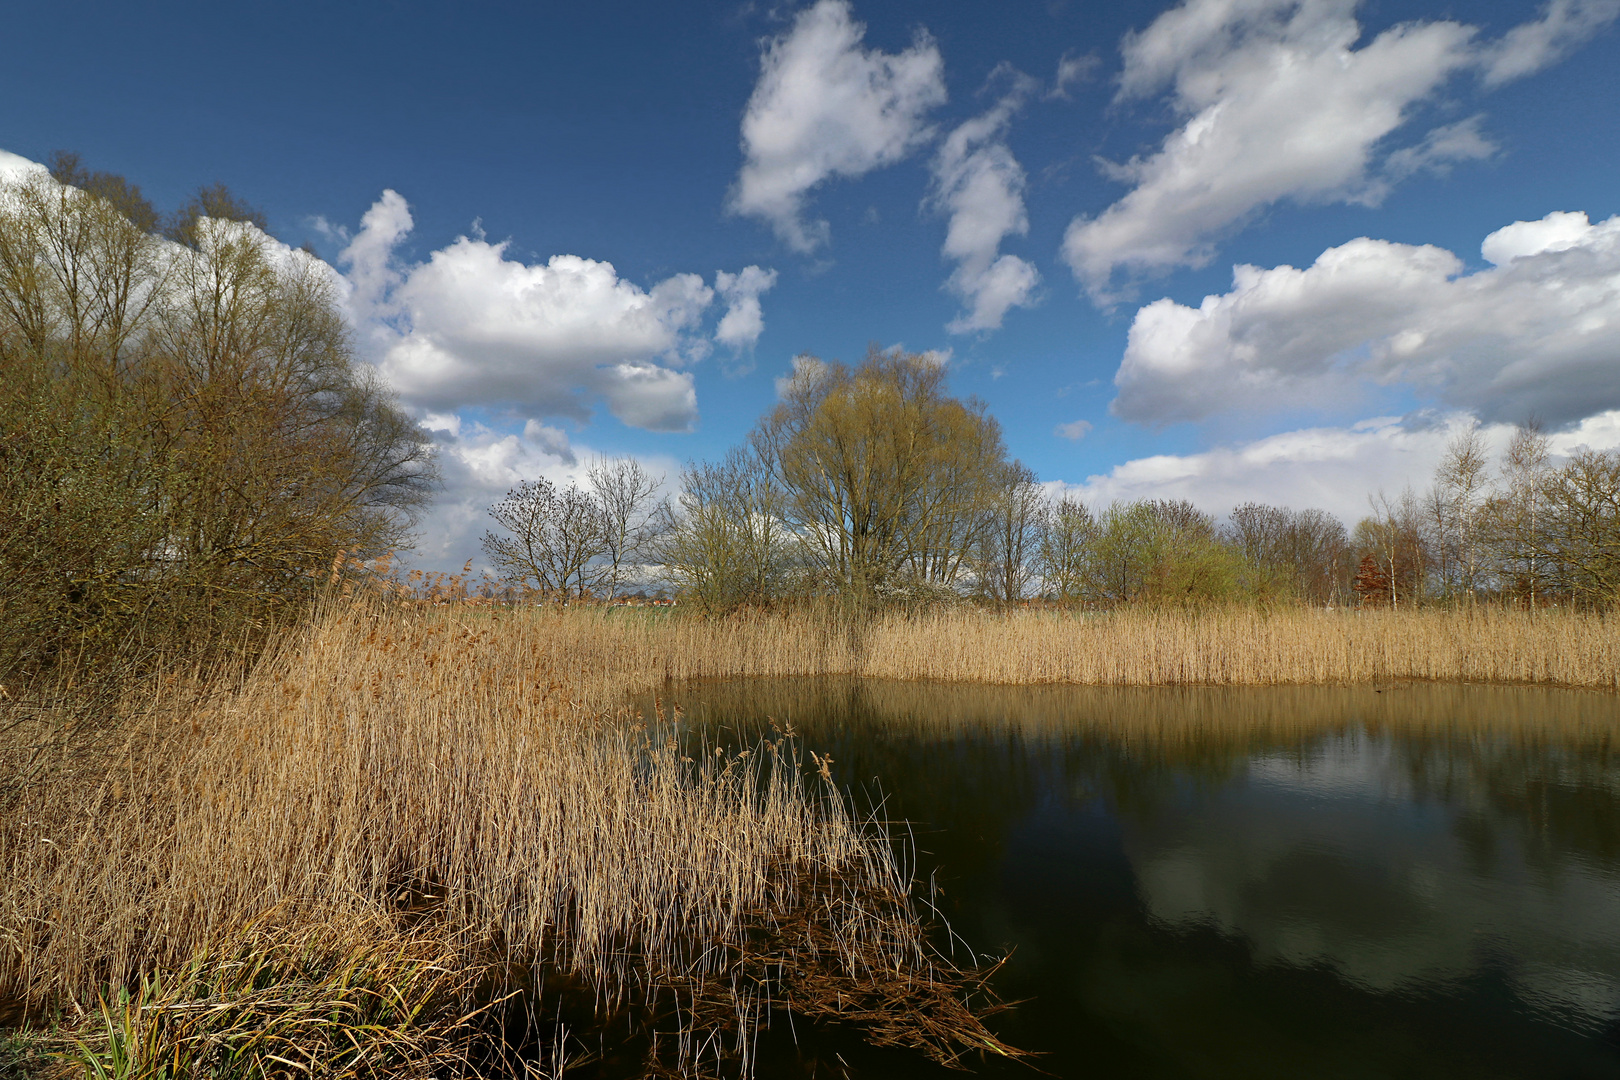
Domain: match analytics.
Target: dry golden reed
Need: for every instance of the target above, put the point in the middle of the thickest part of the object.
(471, 766)
(1132, 647)
(477, 764)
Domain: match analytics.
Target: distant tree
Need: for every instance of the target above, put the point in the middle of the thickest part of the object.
(1160, 552)
(1393, 536)
(1011, 537)
(212, 202)
(1125, 549)
(67, 169)
(1577, 546)
(627, 494)
(1191, 565)
(1372, 583)
(552, 538)
(724, 543)
(1515, 516)
(1455, 511)
(1301, 553)
(1067, 533)
(883, 475)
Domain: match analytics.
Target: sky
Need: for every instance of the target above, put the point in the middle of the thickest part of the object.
(1224, 250)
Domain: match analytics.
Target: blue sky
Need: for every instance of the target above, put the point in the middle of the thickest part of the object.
(1044, 193)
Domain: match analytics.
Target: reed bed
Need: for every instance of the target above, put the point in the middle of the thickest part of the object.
(1131, 647)
(469, 780)
(469, 770)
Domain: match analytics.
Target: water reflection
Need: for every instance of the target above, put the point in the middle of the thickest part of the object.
(1421, 881)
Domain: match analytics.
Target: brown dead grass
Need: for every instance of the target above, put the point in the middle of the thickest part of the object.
(1132, 647)
(475, 768)
(468, 769)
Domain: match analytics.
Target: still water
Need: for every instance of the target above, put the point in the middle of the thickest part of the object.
(1418, 881)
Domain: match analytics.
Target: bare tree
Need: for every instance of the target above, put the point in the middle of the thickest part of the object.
(725, 544)
(627, 494)
(1455, 508)
(1006, 562)
(1067, 532)
(553, 538)
(1577, 543)
(1393, 536)
(1515, 515)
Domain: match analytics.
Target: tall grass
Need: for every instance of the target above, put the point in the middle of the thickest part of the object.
(471, 775)
(1133, 647)
(468, 769)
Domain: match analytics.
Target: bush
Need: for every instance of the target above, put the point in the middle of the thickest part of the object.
(185, 442)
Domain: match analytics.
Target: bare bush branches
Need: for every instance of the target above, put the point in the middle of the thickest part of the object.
(572, 542)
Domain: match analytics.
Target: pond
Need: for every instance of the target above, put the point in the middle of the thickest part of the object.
(1404, 881)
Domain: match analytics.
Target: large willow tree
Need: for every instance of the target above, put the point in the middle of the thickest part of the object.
(185, 441)
(887, 480)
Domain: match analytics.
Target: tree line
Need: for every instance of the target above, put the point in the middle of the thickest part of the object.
(871, 484)
(186, 444)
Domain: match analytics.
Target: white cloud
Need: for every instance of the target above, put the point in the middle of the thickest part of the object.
(645, 395)
(1563, 26)
(744, 321)
(1558, 231)
(1539, 332)
(1071, 70)
(1277, 102)
(1074, 429)
(826, 107)
(1327, 468)
(1441, 148)
(369, 256)
(471, 326)
(979, 183)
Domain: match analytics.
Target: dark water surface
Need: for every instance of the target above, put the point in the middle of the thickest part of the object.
(1255, 882)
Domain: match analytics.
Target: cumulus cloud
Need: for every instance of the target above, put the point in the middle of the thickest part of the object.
(1538, 332)
(1277, 102)
(1074, 429)
(368, 257)
(1326, 468)
(980, 184)
(826, 107)
(744, 321)
(473, 326)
